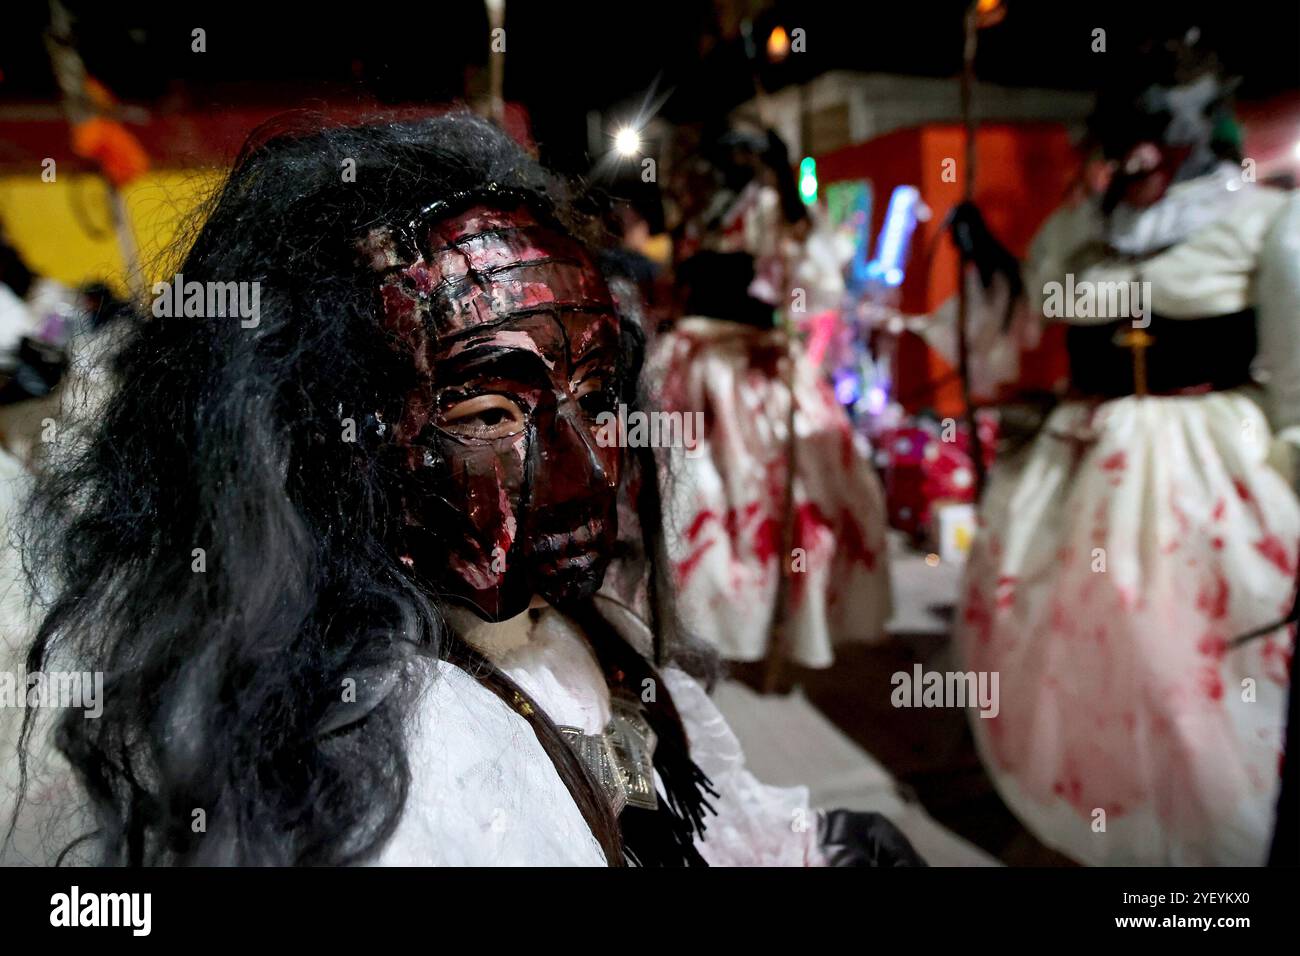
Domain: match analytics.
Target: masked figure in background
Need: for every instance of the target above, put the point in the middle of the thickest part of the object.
(738, 533)
(1152, 519)
(339, 568)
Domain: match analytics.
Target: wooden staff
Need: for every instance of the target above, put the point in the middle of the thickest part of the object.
(779, 636)
(496, 10)
(779, 639)
(70, 73)
(963, 299)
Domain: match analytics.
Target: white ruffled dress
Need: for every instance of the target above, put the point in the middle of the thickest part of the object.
(1122, 551)
(725, 499)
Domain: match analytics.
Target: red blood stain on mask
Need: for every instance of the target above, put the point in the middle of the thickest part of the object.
(506, 490)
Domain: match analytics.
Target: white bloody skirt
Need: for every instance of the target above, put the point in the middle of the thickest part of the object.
(1117, 558)
(724, 501)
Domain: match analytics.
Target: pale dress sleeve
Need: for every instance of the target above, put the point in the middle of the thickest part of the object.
(1277, 294)
(756, 824)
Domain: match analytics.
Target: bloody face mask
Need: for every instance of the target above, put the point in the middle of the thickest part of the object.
(1163, 135)
(506, 493)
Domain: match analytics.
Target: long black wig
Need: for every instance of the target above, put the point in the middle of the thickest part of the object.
(218, 552)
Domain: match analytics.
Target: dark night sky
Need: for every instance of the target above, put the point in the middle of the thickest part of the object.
(565, 58)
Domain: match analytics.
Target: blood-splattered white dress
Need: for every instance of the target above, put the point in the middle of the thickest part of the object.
(725, 499)
(1125, 548)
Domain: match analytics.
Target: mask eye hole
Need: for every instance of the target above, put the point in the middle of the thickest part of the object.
(595, 395)
(485, 417)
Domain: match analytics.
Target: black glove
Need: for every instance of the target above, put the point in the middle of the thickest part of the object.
(850, 838)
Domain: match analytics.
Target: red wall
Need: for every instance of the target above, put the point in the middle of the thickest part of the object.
(1024, 171)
